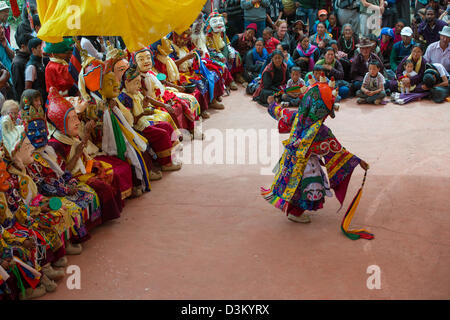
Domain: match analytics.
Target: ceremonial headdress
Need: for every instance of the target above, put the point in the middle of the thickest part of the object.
(58, 109)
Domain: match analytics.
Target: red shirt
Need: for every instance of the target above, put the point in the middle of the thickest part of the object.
(58, 76)
(271, 44)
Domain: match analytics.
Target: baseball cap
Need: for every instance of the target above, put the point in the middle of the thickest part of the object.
(3, 5)
(322, 12)
(406, 31)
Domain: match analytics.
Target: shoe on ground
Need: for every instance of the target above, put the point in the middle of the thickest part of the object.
(173, 167)
(302, 219)
(51, 273)
(197, 134)
(216, 105)
(378, 101)
(73, 249)
(245, 85)
(61, 263)
(239, 78)
(205, 115)
(233, 86)
(137, 192)
(49, 285)
(31, 293)
(219, 99)
(155, 175)
(360, 101)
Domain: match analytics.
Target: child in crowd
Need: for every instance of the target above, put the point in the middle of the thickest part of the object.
(284, 47)
(333, 28)
(406, 87)
(323, 17)
(372, 89)
(291, 99)
(270, 43)
(9, 109)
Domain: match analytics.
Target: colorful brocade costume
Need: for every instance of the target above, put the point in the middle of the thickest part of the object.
(300, 183)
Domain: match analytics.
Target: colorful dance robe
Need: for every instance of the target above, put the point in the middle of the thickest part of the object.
(83, 205)
(158, 128)
(105, 181)
(186, 107)
(300, 183)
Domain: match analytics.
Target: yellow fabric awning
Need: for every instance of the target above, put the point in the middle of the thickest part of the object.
(138, 22)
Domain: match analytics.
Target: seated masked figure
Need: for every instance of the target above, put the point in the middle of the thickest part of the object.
(300, 183)
(219, 46)
(116, 137)
(179, 105)
(194, 69)
(78, 198)
(31, 216)
(78, 156)
(17, 254)
(153, 124)
(198, 41)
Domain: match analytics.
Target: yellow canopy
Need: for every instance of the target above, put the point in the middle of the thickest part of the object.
(138, 22)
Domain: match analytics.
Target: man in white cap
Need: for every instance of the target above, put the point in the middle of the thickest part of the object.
(403, 48)
(4, 14)
(439, 51)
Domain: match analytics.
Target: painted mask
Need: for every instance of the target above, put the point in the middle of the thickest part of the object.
(217, 24)
(37, 133)
(144, 61)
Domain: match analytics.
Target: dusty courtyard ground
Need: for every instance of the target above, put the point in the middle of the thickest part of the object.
(206, 233)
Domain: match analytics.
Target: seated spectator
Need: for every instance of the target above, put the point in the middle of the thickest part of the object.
(314, 74)
(270, 43)
(375, 48)
(360, 64)
(323, 17)
(431, 27)
(407, 73)
(321, 34)
(292, 99)
(333, 27)
(403, 48)
(35, 70)
(244, 42)
(348, 41)
(386, 45)
(273, 78)
(418, 66)
(255, 60)
(18, 66)
(439, 51)
(298, 31)
(333, 68)
(435, 79)
(398, 29)
(281, 33)
(372, 89)
(287, 57)
(305, 55)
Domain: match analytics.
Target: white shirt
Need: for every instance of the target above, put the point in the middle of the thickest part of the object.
(30, 73)
(435, 54)
(441, 70)
(87, 45)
